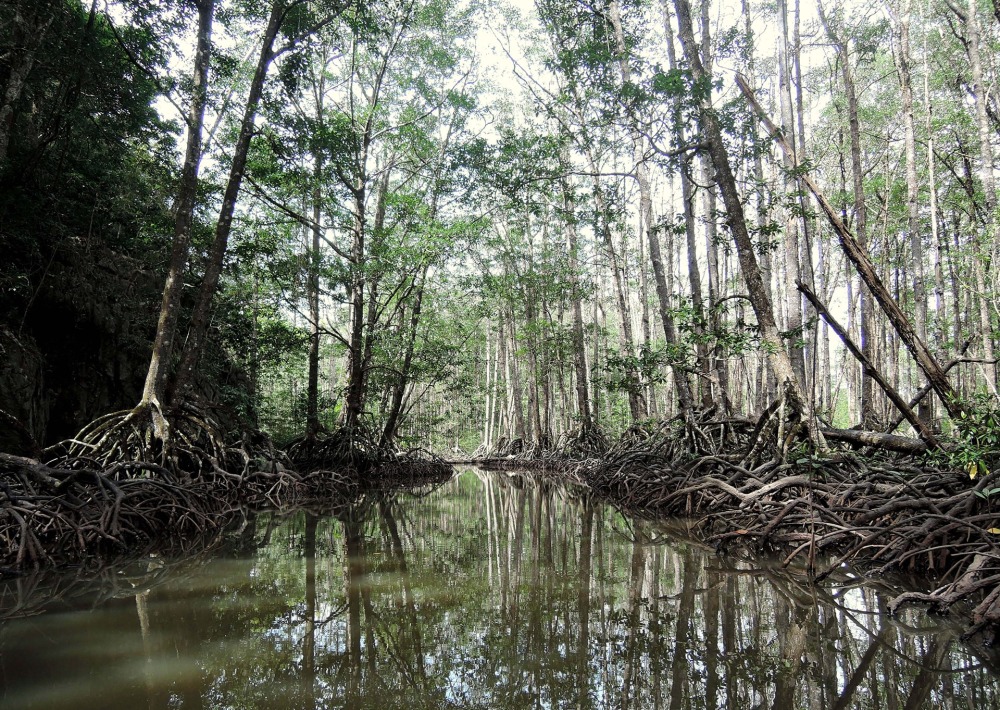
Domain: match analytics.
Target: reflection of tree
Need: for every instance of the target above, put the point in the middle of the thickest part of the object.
(309, 615)
(505, 591)
(679, 667)
(583, 602)
(636, 579)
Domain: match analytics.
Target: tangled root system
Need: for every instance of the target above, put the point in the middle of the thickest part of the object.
(184, 439)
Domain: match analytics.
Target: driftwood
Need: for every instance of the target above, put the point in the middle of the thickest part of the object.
(926, 389)
(888, 442)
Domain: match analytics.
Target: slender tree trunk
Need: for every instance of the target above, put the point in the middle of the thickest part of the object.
(532, 375)
(986, 167)
(764, 378)
(198, 332)
(312, 391)
(792, 270)
(389, 431)
(29, 34)
(374, 280)
(690, 216)
(941, 336)
(806, 267)
(770, 338)
(718, 364)
(867, 320)
(862, 262)
(504, 404)
(154, 390)
(514, 383)
(912, 186)
(488, 416)
(713, 366)
(579, 345)
(354, 404)
(626, 340)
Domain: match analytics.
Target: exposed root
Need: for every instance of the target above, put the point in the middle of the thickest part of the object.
(185, 440)
(50, 512)
(680, 438)
(889, 515)
(356, 448)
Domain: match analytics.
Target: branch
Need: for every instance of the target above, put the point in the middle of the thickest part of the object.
(918, 424)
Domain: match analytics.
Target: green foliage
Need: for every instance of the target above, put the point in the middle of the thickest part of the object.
(89, 162)
(634, 373)
(977, 449)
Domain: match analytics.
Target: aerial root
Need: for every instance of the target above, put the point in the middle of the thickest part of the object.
(885, 515)
(761, 486)
(185, 440)
(84, 504)
(355, 448)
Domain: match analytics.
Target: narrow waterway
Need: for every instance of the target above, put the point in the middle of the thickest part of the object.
(489, 591)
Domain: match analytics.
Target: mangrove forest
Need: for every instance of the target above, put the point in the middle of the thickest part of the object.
(527, 353)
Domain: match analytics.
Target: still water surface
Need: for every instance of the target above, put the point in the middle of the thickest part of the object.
(490, 591)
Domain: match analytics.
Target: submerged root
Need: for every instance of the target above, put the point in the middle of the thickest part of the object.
(889, 515)
(50, 512)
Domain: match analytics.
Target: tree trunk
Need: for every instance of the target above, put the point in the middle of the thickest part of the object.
(354, 401)
(31, 32)
(312, 289)
(626, 340)
(986, 165)
(514, 383)
(866, 323)
(374, 280)
(389, 431)
(918, 424)
(859, 257)
(792, 270)
(579, 345)
(912, 185)
(770, 338)
(154, 390)
(200, 318)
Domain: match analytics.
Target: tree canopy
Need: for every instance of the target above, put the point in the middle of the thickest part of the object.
(457, 225)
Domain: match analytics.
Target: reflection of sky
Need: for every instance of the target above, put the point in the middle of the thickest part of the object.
(667, 618)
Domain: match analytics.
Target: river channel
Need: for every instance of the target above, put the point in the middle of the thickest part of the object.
(489, 591)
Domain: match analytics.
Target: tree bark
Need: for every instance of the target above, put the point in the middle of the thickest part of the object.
(912, 185)
(792, 270)
(201, 316)
(579, 345)
(981, 249)
(918, 424)
(867, 321)
(389, 431)
(312, 289)
(154, 390)
(31, 32)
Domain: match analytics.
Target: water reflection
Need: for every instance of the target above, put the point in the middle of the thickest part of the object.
(493, 591)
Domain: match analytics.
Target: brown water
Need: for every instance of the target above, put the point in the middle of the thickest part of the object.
(490, 591)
